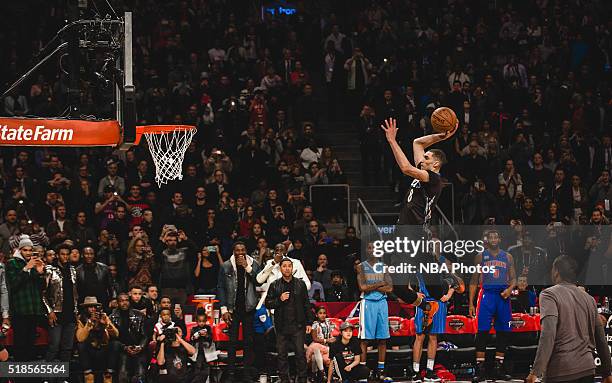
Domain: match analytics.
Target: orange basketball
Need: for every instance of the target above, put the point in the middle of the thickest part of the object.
(443, 119)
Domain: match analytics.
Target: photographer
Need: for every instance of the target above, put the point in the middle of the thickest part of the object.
(60, 299)
(94, 334)
(132, 340)
(201, 339)
(172, 356)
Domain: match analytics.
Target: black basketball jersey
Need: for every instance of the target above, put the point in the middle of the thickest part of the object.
(420, 200)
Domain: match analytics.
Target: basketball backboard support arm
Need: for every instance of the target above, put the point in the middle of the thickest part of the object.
(61, 48)
(125, 98)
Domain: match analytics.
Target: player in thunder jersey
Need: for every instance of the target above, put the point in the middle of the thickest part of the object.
(438, 325)
(419, 203)
(374, 311)
(493, 303)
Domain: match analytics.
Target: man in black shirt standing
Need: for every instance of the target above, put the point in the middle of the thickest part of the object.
(289, 297)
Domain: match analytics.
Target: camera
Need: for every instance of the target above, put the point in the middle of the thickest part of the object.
(170, 334)
(212, 249)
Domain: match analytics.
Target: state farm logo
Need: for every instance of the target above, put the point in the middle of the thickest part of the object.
(517, 323)
(456, 324)
(37, 133)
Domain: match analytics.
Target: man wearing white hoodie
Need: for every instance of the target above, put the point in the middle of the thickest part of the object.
(237, 298)
(271, 271)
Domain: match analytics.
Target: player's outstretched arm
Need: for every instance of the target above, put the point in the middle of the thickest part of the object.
(474, 285)
(390, 128)
(420, 144)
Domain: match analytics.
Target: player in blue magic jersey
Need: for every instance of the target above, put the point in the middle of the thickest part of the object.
(493, 303)
(374, 311)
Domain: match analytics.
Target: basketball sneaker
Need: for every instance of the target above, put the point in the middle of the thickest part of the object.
(500, 372)
(430, 376)
(415, 377)
(480, 374)
(428, 313)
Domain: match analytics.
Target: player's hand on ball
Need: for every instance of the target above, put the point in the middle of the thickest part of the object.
(448, 134)
(390, 128)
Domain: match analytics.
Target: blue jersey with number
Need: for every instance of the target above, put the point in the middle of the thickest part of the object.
(498, 280)
(371, 278)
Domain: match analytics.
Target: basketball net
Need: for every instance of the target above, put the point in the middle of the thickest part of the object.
(168, 151)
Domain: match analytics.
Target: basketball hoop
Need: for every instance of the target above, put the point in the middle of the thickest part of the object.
(167, 144)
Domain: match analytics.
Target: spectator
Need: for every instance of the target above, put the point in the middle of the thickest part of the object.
(176, 260)
(60, 299)
(346, 354)
(316, 292)
(237, 299)
(95, 334)
(25, 280)
(511, 179)
(61, 228)
(288, 296)
(8, 229)
(601, 190)
(338, 292)
(322, 274)
(131, 341)
(93, 278)
(118, 284)
(315, 175)
(311, 154)
(83, 234)
(111, 179)
(201, 339)
(207, 269)
(272, 271)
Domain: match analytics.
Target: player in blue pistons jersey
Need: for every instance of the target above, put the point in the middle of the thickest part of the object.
(493, 302)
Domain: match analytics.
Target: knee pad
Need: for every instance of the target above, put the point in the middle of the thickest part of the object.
(481, 341)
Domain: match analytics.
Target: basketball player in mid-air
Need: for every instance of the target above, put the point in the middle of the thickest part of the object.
(421, 197)
(416, 212)
(493, 303)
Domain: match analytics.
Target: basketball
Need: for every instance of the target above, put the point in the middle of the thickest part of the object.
(443, 120)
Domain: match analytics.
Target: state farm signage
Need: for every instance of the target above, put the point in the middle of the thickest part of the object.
(38, 133)
(58, 132)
